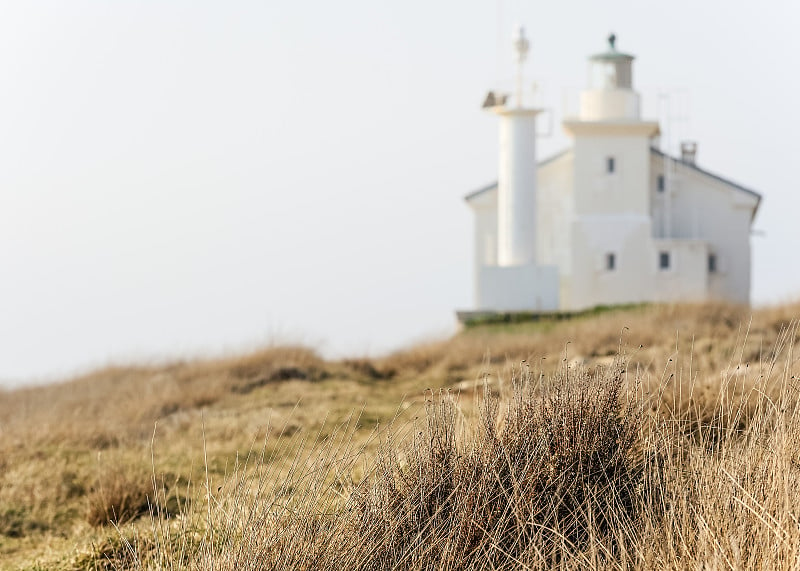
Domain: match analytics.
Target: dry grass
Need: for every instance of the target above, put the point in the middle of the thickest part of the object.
(119, 494)
(560, 464)
(582, 469)
(687, 459)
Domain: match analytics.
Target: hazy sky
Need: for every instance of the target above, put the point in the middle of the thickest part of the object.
(191, 177)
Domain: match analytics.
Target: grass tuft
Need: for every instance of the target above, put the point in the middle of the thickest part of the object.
(119, 495)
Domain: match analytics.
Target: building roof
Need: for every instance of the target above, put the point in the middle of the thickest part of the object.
(489, 187)
(481, 190)
(612, 53)
(709, 174)
(492, 186)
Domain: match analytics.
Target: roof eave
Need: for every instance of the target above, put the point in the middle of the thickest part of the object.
(475, 193)
(710, 174)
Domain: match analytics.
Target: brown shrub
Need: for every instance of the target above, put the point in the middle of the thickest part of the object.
(560, 463)
(120, 494)
(557, 468)
(369, 368)
(268, 363)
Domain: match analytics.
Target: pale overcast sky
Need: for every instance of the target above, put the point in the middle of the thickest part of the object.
(188, 177)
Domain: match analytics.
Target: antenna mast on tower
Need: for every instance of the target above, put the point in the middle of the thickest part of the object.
(521, 48)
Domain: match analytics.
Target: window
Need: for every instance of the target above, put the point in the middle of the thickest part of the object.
(660, 183)
(663, 260)
(611, 262)
(610, 164)
(603, 75)
(712, 263)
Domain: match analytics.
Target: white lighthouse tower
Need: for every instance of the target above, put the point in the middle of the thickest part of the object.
(509, 275)
(516, 178)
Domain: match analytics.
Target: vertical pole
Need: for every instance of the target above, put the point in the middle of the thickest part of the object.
(667, 231)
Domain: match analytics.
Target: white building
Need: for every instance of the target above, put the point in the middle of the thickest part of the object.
(611, 220)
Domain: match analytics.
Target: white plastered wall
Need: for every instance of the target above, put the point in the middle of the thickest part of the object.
(485, 238)
(604, 104)
(628, 238)
(622, 191)
(554, 216)
(686, 278)
(612, 216)
(528, 287)
(706, 209)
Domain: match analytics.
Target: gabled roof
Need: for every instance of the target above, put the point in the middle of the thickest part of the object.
(705, 172)
(492, 186)
(481, 190)
(709, 174)
(489, 187)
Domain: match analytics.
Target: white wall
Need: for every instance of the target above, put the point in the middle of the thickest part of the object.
(604, 104)
(556, 204)
(623, 191)
(484, 207)
(697, 206)
(518, 288)
(555, 199)
(485, 236)
(612, 214)
(686, 278)
(631, 280)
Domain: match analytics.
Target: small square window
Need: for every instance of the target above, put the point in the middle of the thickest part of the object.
(610, 164)
(663, 260)
(712, 263)
(611, 262)
(660, 183)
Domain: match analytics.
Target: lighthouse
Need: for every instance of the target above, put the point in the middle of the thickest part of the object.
(610, 220)
(516, 178)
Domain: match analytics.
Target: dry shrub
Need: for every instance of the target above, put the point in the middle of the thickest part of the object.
(369, 369)
(561, 465)
(554, 471)
(120, 494)
(276, 363)
(113, 552)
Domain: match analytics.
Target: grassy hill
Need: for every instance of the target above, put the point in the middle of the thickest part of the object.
(653, 436)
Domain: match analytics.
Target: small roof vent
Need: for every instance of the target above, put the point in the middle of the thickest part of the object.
(689, 152)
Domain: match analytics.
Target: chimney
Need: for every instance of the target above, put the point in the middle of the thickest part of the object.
(688, 152)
